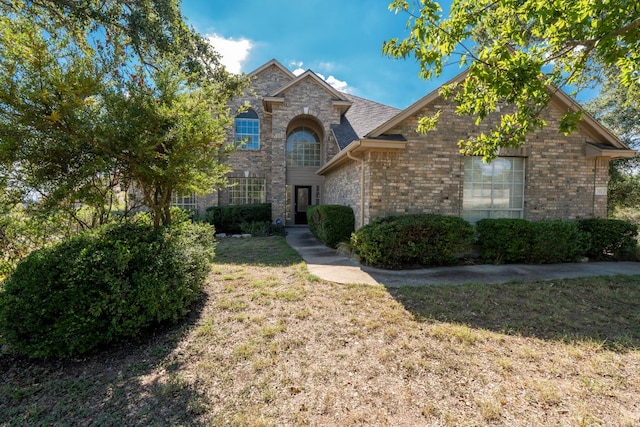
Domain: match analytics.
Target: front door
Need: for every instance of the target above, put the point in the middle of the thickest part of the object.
(303, 200)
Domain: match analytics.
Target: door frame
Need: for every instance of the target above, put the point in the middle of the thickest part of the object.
(301, 217)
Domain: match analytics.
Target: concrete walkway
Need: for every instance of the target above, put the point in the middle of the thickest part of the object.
(328, 264)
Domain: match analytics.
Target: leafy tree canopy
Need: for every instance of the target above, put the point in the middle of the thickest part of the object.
(514, 50)
(618, 107)
(98, 95)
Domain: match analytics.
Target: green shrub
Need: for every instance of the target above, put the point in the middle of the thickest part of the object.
(228, 219)
(555, 241)
(102, 286)
(262, 229)
(331, 224)
(609, 239)
(411, 240)
(503, 240)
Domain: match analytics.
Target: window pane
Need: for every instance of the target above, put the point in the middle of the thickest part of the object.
(247, 191)
(247, 131)
(186, 202)
(303, 148)
(493, 190)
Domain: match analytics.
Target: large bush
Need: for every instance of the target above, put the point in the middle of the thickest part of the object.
(102, 286)
(610, 239)
(331, 224)
(413, 240)
(556, 241)
(503, 240)
(229, 219)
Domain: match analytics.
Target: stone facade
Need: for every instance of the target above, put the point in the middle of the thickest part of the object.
(373, 160)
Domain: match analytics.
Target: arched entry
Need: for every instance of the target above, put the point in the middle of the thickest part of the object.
(304, 152)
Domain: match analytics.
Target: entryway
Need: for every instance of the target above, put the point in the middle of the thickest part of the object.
(302, 202)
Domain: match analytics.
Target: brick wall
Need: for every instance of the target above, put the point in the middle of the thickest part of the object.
(427, 176)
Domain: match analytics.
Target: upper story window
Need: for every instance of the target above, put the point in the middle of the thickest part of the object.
(247, 131)
(493, 190)
(303, 147)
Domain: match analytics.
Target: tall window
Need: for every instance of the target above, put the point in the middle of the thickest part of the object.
(493, 190)
(184, 201)
(247, 191)
(303, 147)
(247, 131)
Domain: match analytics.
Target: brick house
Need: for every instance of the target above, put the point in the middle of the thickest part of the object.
(307, 143)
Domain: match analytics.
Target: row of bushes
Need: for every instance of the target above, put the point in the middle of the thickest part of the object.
(102, 286)
(544, 242)
(231, 219)
(435, 240)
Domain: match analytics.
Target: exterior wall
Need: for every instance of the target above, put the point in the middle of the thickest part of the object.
(306, 100)
(427, 176)
(343, 188)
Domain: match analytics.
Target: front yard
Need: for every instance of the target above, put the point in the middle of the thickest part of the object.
(270, 345)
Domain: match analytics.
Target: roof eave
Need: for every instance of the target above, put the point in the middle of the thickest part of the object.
(593, 151)
(360, 146)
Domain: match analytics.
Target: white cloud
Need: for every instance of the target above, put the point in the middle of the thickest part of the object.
(340, 85)
(233, 52)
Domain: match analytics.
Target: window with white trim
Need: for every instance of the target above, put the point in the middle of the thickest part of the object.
(303, 147)
(493, 190)
(184, 201)
(247, 131)
(247, 191)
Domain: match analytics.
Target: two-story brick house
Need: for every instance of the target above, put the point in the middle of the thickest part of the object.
(307, 143)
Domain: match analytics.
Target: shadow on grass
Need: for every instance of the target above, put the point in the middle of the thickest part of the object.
(133, 383)
(267, 251)
(605, 310)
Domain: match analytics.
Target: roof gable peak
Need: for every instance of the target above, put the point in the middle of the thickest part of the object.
(272, 63)
(335, 94)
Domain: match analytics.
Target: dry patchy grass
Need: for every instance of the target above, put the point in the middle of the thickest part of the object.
(272, 346)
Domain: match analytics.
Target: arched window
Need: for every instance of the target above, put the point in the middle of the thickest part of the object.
(247, 131)
(303, 147)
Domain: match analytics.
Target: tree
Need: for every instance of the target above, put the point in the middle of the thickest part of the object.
(515, 51)
(82, 115)
(618, 107)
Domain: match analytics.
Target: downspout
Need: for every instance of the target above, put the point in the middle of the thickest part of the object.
(361, 161)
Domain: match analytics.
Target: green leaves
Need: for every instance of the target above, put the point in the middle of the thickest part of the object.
(514, 50)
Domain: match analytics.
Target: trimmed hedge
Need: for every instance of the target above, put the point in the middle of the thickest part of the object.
(555, 241)
(103, 286)
(545, 242)
(610, 239)
(413, 240)
(504, 240)
(331, 224)
(229, 219)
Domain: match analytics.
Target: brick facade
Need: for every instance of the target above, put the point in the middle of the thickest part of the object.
(421, 173)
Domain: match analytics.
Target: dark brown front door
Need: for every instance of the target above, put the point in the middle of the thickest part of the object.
(303, 200)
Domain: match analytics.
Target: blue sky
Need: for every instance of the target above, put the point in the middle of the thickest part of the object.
(338, 39)
(341, 40)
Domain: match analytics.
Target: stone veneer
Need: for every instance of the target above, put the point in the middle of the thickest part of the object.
(307, 101)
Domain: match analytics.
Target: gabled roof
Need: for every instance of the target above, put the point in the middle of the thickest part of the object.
(587, 123)
(272, 63)
(335, 94)
(363, 116)
(339, 98)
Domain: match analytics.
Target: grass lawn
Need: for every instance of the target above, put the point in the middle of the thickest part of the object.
(271, 345)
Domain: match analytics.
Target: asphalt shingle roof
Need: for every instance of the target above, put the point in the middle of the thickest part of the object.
(362, 117)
